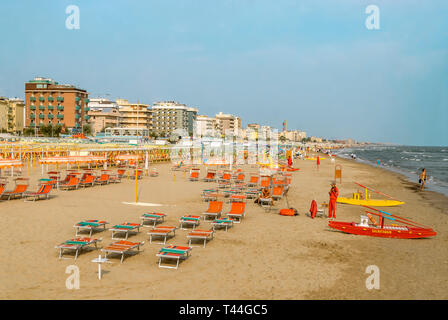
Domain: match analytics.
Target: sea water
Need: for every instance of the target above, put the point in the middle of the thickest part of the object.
(407, 160)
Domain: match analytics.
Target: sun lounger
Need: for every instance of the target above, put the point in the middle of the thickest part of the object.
(2, 190)
(104, 178)
(72, 184)
(173, 253)
(153, 217)
(197, 234)
(114, 177)
(252, 193)
(139, 174)
(253, 182)
(18, 192)
(267, 203)
(211, 176)
(214, 210)
(88, 181)
(44, 192)
(240, 177)
(194, 175)
(122, 247)
(237, 198)
(76, 244)
(90, 225)
(222, 222)
(190, 220)
(162, 231)
(212, 196)
(278, 192)
(225, 177)
(125, 228)
(237, 212)
(153, 172)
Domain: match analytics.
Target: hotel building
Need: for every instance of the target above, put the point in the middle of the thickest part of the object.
(170, 115)
(47, 102)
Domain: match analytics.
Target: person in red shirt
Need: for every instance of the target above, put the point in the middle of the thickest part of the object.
(334, 193)
(289, 161)
(317, 162)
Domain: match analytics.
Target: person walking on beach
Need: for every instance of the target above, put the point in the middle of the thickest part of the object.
(317, 162)
(334, 193)
(422, 179)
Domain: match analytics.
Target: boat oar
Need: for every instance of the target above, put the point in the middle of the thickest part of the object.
(376, 191)
(403, 219)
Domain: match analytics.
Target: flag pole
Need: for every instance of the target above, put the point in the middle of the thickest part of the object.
(136, 162)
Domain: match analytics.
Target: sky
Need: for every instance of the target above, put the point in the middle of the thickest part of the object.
(312, 63)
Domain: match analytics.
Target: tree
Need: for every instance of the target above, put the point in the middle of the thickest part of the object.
(87, 130)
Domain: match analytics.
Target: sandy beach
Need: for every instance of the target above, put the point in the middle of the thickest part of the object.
(267, 256)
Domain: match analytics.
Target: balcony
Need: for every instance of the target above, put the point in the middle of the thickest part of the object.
(60, 99)
(77, 125)
(86, 118)
(50, 116)
(86, 109)
(60, 108)
(60, 116)
(77, 116)
(41, 99)
(77, 99)
(86, 100)
(77, 108)
(32, 107)
(32, 124)
(41, 116)
(33, 99)
(41, 107)
(50, 107)
(50, 99)
(32, 116)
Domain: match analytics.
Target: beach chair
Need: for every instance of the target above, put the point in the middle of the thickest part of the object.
(139, 174)
(153, 217)
(127, 228)
(194, 175)
(252, 193)
(211, 176)
(19, 190)
(103, 179)
(122, 248)
(88, 180)
(76, 244)
(267, 203)
(222, 223)
(253, 182)
(237, 211)
(265, 182)
(162, 231)
(240, 177)
(121, 173)
(173, 252)
(237, 198)
(44, 192)
(90, 225)
(214, 210)
(203, 235)
(190, 220)
(72, 184)
(114, 177)
(226, 178)
(2, 189)
(153, 172)
(277, 192)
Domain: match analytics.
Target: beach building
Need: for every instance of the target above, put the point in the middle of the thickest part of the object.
(294, 135)
(254, 126)
(16, 115)
(206, 126)
(48, 102)
(228, 122)
(3, 114)
(171, 115)
(134, 115)
(103, 114)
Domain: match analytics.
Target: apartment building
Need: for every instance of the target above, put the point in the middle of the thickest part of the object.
(134, 115)
(171, 115)
(206, 126)
(48, 102)
(228, 122)
(103, 114)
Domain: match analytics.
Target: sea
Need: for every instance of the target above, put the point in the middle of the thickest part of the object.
(407, 160)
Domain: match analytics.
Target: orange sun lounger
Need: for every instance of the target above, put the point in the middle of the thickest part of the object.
(76, 244)
(162, 231)
(88, 181)
(211, 176)
(104, 178)
(122, 247)
(278, 192)
(44, 191)
(198, 234)
(237, 212)
(173, 252)
(73, 183)
(126, 228)
(194, 175)
(214, 210)
(18, 192)
(253, 182)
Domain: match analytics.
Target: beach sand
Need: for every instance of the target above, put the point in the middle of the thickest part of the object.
(267, 256)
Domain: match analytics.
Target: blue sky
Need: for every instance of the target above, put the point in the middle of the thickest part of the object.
(313, 63)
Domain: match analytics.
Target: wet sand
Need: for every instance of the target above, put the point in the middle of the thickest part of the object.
(267, 256)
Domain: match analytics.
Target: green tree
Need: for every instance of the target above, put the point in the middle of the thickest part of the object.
(87, 130)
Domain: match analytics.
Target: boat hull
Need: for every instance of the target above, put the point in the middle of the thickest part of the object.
(371, 202)
(398, 233)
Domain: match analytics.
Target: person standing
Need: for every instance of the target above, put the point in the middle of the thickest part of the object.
(317, 162)
(289, 161)
(334, 193)
(422, 179)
